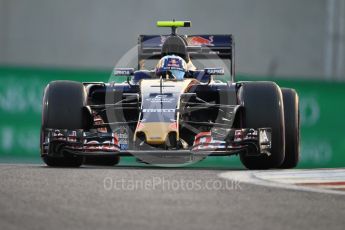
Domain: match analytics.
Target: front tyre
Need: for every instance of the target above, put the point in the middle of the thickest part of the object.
(63, 108)
(263, 108)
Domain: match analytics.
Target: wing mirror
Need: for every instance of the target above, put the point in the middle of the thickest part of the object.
(123, 72)
(214, 71)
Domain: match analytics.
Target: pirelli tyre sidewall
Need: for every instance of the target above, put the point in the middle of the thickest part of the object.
(292, 128)
(263, 107)
(63, 108)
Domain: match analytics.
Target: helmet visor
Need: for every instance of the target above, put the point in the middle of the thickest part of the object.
(178, 74)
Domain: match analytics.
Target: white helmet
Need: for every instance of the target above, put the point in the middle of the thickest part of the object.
(172, 65)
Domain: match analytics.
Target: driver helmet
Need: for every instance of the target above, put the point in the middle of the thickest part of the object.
(172, 66)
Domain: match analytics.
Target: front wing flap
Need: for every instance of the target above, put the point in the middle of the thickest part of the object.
(250, 141)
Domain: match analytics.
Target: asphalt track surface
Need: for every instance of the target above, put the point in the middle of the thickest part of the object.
(38, 197)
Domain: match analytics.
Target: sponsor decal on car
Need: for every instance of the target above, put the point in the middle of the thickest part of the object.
(167, 98)
(200, 41)
(204, 140)
(123, 71)
(123, 137)
(214, 71)
(194, 40)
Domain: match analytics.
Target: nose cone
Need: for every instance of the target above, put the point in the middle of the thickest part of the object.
(155, 132)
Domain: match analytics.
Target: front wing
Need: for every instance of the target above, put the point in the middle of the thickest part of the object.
(58, 142)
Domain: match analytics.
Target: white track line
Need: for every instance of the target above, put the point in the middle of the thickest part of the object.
(286, 179)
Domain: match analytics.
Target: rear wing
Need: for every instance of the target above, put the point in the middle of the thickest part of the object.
(198, 47)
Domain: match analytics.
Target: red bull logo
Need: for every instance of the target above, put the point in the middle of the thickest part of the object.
(200, 41)
(173, 63)
(194, 40)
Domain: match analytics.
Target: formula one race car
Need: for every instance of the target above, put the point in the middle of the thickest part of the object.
(173, 113)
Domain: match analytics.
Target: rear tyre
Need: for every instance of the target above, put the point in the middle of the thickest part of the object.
(263, 107)
(292, 128)
(63, 108)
